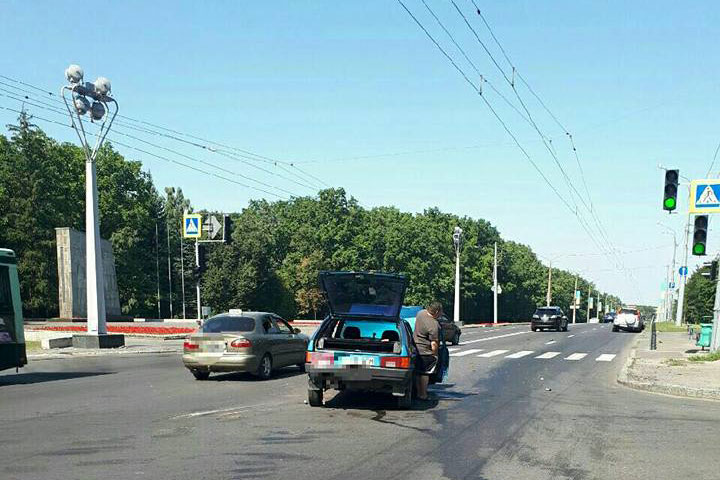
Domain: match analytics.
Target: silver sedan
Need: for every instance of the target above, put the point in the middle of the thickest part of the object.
(253, 342)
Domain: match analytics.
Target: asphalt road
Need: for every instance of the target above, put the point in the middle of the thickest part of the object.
(505, 414)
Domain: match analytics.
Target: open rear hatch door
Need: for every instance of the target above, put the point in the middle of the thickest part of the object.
(364, 294)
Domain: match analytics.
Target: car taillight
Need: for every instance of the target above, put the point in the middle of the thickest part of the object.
(320, 359)
(190, 346)
(395, 362)
(241, 343)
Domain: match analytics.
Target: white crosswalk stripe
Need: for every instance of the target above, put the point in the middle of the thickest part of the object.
(466, 352)
(576, 356)
(493, 353)
(605, 357)
(520, 354)
(547, 355)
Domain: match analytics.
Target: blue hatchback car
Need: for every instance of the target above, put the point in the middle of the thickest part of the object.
(363, 344)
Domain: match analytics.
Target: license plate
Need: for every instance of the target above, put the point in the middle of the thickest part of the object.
(213, 347)
(362, 361)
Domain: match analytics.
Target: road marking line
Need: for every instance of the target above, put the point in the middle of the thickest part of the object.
(520, 354)
(466, 352)
(493, 353)
(605, 357)
(493, 338)
(570, 336)
(576, 356)
(550, 342)
(548, 355)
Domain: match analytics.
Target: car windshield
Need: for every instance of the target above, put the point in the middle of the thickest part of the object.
(229, 324)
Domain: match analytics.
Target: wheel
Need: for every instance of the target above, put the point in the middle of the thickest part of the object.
(264, 370)
(301, 366)
(614, 329)
(406, 400)
(315, 398)
(456, 339)
(200, 374)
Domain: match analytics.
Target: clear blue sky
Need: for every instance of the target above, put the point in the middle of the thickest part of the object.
(322, 83)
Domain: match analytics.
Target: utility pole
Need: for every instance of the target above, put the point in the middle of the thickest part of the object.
(167, 227)
(683, 277)
(575, 302)
(457, 240)
(182, 274)
(495, 288)
(548, 297)
(197, 284)
(157, 268)
(589, 307)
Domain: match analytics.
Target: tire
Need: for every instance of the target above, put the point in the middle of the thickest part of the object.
(301, 366)
(315, 398)
(264, 370)
(405, 401)
(200, 374)
(456, 339)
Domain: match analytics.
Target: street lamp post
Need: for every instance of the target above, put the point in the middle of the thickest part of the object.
(457, 241)
(78, 106)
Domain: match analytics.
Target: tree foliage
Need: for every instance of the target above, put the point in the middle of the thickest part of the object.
(278, 248)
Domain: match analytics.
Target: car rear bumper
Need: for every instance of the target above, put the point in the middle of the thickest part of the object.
(224, 363)
(376, 379)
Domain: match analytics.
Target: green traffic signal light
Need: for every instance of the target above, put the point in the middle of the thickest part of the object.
(698, 249)
(670, 203)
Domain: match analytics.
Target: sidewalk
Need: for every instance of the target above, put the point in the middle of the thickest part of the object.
(667, 370)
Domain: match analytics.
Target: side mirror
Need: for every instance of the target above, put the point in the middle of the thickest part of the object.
(296, 330)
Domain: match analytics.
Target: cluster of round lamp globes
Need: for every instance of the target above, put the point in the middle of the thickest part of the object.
(98, 91)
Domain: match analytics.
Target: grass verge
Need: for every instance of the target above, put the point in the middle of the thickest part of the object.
(707, 357)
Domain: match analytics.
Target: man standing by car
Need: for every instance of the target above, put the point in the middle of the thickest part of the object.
(426, 337)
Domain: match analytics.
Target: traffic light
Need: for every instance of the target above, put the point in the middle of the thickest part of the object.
(671, 188)
(699, 246)
(227, 230)
(710, 270)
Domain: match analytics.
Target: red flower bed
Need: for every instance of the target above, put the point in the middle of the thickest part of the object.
(143, 330)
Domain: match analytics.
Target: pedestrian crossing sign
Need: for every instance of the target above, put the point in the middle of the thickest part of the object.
(191, 225)
(705, 196)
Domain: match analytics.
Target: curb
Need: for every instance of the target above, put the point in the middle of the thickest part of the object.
(95, 353)
(625, 378)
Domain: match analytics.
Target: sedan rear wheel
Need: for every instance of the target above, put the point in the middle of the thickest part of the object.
(265, 368)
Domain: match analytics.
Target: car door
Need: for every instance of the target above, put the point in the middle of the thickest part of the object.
(296, 344)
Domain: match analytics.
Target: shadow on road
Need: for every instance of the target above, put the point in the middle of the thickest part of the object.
(287, 372)
(42, 377)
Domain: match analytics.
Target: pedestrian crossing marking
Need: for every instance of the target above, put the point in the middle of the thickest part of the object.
(520, 354)
(605, 357)
(466, 352)
(493, 353)
(576, 356)
(548, 355)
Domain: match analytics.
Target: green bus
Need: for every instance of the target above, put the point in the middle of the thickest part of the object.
(12, 336)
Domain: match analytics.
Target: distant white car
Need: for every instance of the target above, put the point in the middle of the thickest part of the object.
(628, 318)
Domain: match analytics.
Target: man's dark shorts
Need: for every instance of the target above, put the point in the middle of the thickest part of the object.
(426, 364)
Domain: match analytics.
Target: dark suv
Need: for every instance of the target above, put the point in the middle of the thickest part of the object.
(549, 317)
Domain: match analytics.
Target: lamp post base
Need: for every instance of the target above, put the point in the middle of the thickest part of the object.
(107, 340)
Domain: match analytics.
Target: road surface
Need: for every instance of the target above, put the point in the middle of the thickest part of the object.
(517, 405)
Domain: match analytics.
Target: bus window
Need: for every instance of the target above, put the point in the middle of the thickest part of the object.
(7, 314)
